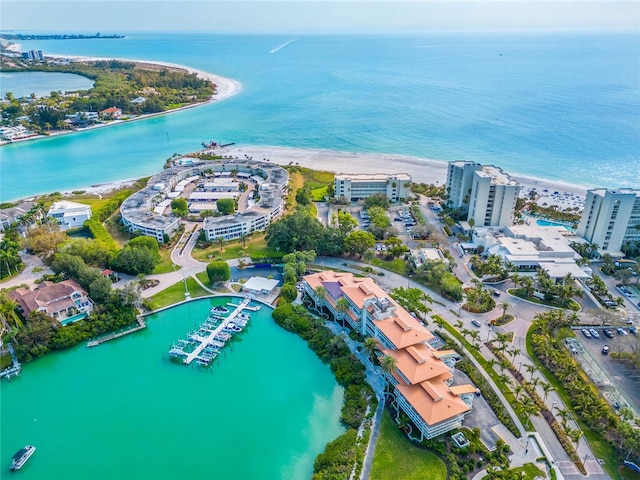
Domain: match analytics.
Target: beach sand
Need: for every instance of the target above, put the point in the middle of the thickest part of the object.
(423, 170)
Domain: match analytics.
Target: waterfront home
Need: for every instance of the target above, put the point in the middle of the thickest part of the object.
(112, 113)
(421, 383)
(58, 300)
(9, 216)
(69, 214)
(19, 132)
(260, 286)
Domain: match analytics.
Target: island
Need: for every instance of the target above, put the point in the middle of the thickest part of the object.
(64, 36)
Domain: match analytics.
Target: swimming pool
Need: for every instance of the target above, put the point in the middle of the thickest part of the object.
(550, 223)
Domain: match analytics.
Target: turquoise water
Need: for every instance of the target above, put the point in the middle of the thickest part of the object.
(551, 223)
(556, 106)
(41, 83)
(122, 410)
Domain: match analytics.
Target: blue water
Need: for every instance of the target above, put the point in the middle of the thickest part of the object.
(41, 83)
(560, 107)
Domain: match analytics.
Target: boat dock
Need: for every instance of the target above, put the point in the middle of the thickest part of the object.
(246, 307)
(14, 369)
(112, 336)
(210, 337)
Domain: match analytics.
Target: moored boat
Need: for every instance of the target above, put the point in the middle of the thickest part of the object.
(21, 457)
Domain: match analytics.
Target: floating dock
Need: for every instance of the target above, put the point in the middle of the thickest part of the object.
(209, 337)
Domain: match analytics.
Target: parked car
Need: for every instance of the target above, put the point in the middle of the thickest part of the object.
(475, 323)
(605, 349)
(608, 333)
(621, 331)
(633, 330)
(594, 333)
(586, 333)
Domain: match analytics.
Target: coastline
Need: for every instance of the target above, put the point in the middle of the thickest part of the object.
(423, 170)
(225, 88)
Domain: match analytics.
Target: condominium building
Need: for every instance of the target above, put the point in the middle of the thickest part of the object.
(484, 193)
(421, 383)
(361, 186)
(611, 218)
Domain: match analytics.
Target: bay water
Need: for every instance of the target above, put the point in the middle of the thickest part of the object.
(559, 106)
(264, 409)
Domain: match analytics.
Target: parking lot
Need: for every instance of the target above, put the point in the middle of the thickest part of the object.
(618, 380)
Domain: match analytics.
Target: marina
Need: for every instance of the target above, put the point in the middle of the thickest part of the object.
(204, 345)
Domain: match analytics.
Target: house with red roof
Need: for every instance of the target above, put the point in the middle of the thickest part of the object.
(63, 300)
(112, 113)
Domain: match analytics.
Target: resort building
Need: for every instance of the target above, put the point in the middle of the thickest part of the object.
(529, 247)
(360, 186)
(69, 214)
(484, 193)
(65, 301)
(19, 132)
(421, 384)
(33, 55)
(611, 218)
(148, 211)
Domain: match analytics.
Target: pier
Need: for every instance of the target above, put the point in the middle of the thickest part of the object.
(14, 369)
(112, 336)
(209, 340)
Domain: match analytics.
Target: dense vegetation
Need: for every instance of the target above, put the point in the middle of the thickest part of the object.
(117, 83)
(10, 261)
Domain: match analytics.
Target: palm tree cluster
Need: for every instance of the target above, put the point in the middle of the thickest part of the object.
(559, 292)
(594, 411)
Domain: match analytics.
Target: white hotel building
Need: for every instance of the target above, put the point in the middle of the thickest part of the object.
(361, 186)
(422, 383)
(610, 218)
(484, 192)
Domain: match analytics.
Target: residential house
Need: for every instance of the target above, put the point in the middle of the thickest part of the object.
(65, 301)
(112, 113)
(69, 214)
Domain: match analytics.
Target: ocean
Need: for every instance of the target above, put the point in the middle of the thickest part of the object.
(555, 106)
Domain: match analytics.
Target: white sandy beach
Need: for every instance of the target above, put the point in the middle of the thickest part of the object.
(423, 170)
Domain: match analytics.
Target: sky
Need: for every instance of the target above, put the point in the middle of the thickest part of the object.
(315, 16)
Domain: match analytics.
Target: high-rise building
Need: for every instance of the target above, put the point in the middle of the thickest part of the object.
(484, 193)
(610, 218)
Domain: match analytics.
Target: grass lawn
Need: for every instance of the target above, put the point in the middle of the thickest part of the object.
(530, 471)
(256, 246)
(165, 265)
(396, 457)
(175, 294)
(397, 265)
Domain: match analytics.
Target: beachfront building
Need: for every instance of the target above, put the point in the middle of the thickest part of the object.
(112, 113)
(148, 212)
(421, 384)
(11, 134)
(269, 204)
(64, 301)
(11, 215)
(611, 218)
(33, 56)
(360, 186)
(483, 193)
(69, 214)
(529, 247)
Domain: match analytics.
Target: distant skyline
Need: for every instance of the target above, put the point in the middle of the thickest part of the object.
(313, 16)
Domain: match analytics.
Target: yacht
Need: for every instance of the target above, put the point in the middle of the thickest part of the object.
(21, 457)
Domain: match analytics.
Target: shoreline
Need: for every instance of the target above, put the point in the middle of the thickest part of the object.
(423, 170)
(225, 88)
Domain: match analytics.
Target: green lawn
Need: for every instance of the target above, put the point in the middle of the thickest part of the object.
(530, 471)
(165, 265)
(175, 294)
(397, 265)
(255, 246)
(396, 457)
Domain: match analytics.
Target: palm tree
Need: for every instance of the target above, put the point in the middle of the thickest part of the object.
(491, 364)
(368, 255)
(529, 408)
(529, 367)
(388, 364)
(319, 294)
(547, 387)
(243, 239)
(342, 305)
(370, 344)
(505, 307)
(220, 242)
(514, 353)
(518, 390)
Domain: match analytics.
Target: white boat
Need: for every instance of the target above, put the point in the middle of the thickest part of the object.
(21, 457)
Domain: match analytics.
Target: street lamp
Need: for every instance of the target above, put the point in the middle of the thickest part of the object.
(520, 366)
(553, 406)
(409, 283)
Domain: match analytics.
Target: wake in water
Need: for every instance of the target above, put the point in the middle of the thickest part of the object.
(277, 49)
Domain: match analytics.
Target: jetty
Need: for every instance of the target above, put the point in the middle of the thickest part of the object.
(139, 326)
(14, 369)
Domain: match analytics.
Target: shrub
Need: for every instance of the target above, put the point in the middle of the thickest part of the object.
(218, 271)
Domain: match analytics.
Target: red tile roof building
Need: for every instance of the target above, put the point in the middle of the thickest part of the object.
(58, 300)
(423, 376)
